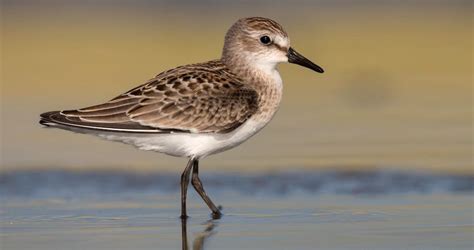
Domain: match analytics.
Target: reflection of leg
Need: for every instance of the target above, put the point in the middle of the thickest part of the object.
(184, 235)
(184, 187)
(198, 243)
(197, 184)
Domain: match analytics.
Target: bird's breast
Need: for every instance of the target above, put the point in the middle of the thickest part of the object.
(270, 90)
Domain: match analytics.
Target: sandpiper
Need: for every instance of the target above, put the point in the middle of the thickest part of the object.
(199, 109)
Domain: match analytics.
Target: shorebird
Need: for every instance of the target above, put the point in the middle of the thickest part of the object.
(201, 109)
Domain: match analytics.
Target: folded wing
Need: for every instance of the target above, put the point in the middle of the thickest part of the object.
(199, 98)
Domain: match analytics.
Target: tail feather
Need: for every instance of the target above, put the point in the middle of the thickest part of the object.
(61, 120)
(46, 118)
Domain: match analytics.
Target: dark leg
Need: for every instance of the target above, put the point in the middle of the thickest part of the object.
(184, 187)
(184, 235)
(197, 184)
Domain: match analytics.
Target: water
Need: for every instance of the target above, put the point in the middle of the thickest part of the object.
(297, 210)
(99, 183)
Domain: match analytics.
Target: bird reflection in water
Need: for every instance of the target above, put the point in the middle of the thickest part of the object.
(198, 243)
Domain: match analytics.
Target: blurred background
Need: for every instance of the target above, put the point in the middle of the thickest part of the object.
(376, 153)
(397, 92)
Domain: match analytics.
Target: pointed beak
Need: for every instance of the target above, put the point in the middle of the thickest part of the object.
(297, 58)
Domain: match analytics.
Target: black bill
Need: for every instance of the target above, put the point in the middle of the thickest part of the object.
(297, 58)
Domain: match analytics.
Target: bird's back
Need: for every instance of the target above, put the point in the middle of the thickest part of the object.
(196, 98)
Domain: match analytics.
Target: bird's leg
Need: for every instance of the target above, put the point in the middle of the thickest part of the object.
(197, 184)
(184, 187)
(184, 234)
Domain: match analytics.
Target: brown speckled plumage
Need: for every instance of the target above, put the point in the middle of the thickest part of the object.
(197, 98)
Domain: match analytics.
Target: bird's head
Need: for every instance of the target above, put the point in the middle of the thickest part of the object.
(262, 43)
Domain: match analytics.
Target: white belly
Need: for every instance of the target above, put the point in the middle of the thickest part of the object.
(189, 145)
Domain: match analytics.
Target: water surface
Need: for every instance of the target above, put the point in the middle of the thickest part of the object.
(297, 210)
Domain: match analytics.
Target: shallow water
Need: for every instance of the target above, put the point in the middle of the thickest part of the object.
(299, 210)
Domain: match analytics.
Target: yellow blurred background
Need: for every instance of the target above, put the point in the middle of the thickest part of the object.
(397, 92)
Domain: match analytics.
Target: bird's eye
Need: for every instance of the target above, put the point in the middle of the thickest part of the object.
(265, 40)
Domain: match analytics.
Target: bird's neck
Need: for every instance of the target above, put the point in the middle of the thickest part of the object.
(258, 74)
(265, 79)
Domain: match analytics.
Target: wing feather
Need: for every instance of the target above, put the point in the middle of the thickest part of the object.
(199, 98)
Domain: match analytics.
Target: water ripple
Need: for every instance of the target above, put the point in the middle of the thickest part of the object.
(53, 183)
